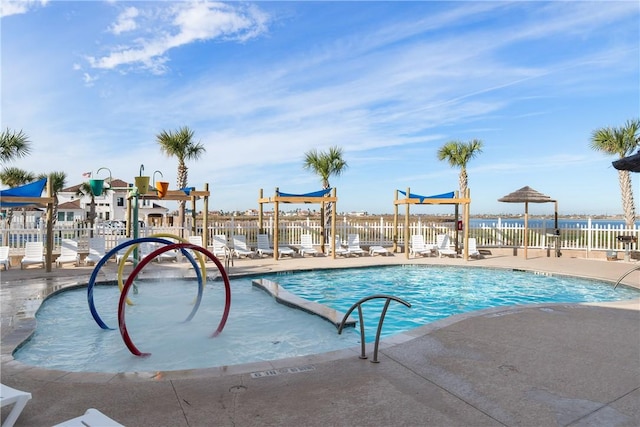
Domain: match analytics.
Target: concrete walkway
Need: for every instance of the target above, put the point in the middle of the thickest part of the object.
(544, 365)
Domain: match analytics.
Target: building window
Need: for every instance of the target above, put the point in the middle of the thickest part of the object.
(120, 201)
(61, 216)
(70, 216)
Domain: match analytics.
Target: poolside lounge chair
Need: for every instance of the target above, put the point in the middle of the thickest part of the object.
(473, 249)
(353, 245)
(4, 256)
(263, 247)
(306, 246)
(442, 246)
(68, 253)
(17, 398)
(97, 250)
(419, 247)
(171, 255)
(380, 250)
(240, 247)
(92, 418)
(220, 248)
(121, 252)
(32, 254)
(339, 249)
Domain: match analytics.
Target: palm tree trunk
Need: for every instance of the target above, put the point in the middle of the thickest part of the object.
(624, 177)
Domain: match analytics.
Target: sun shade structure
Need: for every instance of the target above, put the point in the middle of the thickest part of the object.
(450, 198)
(323, 196)
(31, 195)
(528, 195)
(630, 163)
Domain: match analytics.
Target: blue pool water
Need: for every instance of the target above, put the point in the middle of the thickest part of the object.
(259, 329)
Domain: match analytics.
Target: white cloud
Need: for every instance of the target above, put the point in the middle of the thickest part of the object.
(187, 23)
(126, 21)
(18, 7)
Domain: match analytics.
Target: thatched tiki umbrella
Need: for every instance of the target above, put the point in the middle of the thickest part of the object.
(528, 195)
(630, 163)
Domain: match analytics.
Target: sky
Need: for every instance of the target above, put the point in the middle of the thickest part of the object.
(261, 83)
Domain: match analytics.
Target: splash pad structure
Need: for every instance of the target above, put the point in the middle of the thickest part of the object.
(184, 247)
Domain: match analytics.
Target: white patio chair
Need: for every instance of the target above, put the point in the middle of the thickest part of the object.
(473, 249)
(306, 246)
(262, 246)
(97, 250)
(419, 247)
(380, 250)
(353, 245)
(68, 253)
(121, 252)
(17, 398)
(442, 246)
(32, 254)
(91, 418)
(339, 249)
(220, 248)
(4, 256)
(240, 248)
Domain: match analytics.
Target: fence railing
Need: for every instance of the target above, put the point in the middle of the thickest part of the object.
(587, 237)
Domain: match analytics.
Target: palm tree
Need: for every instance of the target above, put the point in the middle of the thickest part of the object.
(180, 144)
(85, 190)
(58, 182)
(325, 164)
(621, 141)
(15, 177)
(13, 145)
(458, 154)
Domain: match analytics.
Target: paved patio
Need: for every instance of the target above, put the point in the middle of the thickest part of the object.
(543, 365)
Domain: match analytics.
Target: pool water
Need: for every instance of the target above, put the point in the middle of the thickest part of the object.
(260, 329)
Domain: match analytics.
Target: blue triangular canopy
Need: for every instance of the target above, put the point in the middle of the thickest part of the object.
(449, 195)
(320, 193)
(33, 189)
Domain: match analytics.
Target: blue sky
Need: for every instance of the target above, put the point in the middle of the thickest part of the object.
(261, 83)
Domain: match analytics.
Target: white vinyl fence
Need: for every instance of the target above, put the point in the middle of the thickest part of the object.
(588, 237)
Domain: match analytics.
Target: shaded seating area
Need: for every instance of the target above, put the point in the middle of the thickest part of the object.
(323, 197)
(33, 254)
(17, 398)
(450, 198)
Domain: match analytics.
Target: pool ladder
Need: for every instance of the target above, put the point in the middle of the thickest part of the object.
(637, 267)
(358, 305)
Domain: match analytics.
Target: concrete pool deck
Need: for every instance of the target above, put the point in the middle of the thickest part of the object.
(542, 365)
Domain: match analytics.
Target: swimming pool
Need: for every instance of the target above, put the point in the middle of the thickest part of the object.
(259, 329)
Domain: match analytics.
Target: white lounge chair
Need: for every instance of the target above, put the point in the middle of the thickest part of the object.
(171, 255)
(306, 246)
(121, 252)
(240, 247)
(473, 249)
(380, 250)
(353, 245)
(91, 418)
(17, 398)
(339, 249)
(220, 248)
(4, 256)
(263, 247)
(419, 247)
(97, 250)
(442, 246)
(68, 253)
(32, 254)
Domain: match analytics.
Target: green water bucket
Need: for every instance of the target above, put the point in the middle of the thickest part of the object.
(142, 182)
(96, 186)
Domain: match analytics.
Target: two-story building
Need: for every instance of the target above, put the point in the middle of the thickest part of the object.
(74, 206)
